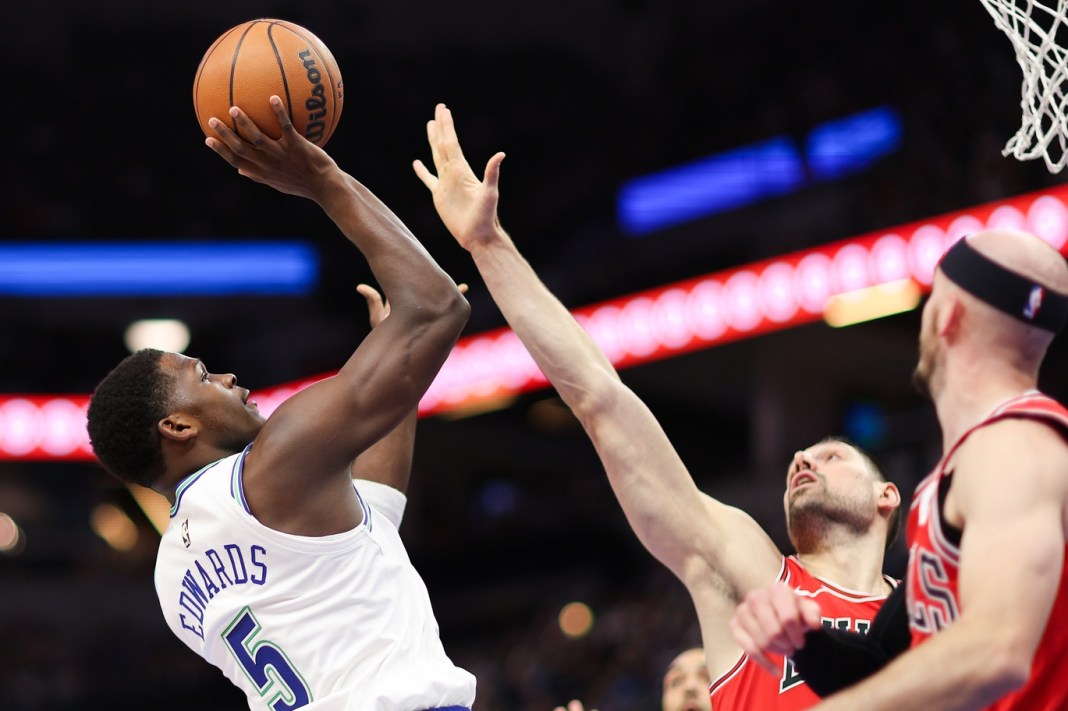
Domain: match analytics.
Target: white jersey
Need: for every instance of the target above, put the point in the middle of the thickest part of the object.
(340, 622)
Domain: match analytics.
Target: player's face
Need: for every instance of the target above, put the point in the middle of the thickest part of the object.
(686, 683)
(226, 417)
(828, 482)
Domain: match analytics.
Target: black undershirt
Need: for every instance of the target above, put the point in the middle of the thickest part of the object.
(834, 659)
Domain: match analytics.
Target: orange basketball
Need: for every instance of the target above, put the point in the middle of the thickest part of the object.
(250, 62)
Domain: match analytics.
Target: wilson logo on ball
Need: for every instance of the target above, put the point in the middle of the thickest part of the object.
(315, 104)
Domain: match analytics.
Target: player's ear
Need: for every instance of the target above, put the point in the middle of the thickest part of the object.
(890, 496)
(177, 427)
(949, 318)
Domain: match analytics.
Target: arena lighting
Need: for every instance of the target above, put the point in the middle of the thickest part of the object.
(872, 302)
(69, 269)
(12, 539)
(113, 525)
(155, 506)
(703, 312)
(746, 175)
(165, 334)
(575, 620)
(851, 144)
(715, 184)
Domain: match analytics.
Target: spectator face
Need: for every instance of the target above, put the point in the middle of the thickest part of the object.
(686, 683)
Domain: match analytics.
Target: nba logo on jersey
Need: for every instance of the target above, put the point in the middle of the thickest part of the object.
(185, 533)
(1034, 302)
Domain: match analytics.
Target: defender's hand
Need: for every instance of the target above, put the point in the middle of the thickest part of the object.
(773, 620)
(467, 205)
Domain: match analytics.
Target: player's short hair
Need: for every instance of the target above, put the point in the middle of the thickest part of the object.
(122, 417)
(894, 527)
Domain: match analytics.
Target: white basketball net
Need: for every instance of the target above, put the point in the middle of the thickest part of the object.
(1033, 27)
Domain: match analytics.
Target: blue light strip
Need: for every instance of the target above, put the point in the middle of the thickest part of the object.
(851, 144)
(65, 269)
(747, 175)
(711, 185)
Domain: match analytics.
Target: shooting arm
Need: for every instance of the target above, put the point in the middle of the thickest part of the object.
(315, 435)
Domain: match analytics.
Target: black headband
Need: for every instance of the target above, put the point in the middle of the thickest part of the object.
(1022, 298)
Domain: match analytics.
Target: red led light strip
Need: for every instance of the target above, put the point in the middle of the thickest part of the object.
(706, 311)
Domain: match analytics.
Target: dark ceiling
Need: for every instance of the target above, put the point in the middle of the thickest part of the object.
(103, 144)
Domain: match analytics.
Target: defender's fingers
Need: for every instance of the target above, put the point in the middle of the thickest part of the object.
(492, 176)
(765, 663)
(764, 619)
(746, 642)
(429, 179)
(786, 605)
(447, 139)
(377, 306)
(810, 613)
(747, 622)
(370, 293)
(432, 133)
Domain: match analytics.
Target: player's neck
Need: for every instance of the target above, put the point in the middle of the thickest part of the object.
(971, 391)
(856, 564)
(181, 464)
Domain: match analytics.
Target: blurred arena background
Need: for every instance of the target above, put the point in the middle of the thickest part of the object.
(510, 517)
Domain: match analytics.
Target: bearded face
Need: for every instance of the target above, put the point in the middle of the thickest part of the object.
(829, 489)
(821, 508)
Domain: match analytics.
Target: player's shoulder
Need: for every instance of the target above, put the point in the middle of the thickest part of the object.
(1028, 454)
(796, 575)
(1026, 436)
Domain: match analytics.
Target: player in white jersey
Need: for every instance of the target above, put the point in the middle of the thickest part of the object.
(277, 567)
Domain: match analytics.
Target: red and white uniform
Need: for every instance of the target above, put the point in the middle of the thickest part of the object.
(747, 687)
(934, 563)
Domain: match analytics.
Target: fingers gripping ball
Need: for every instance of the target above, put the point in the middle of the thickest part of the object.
(250, 62)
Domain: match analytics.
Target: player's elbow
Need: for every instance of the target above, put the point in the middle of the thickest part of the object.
(457, 310)
(590, 396)
(447, 312)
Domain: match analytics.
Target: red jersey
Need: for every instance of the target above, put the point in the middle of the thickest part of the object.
(934, 563)
(747, 686)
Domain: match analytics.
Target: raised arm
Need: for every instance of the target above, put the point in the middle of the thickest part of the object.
(389, 460)
(1010, 492)
(718, 551)
(300, 463)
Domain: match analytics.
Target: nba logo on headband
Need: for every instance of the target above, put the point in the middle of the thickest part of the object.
(1034, 302)
(1011, 293)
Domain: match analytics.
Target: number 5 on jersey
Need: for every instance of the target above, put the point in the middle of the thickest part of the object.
(265, 664)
